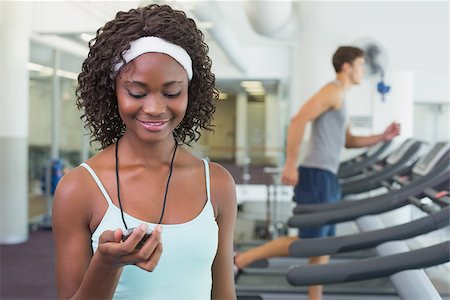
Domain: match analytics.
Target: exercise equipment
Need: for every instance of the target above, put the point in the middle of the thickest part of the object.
(272, 285)
(370, 206)
(399, 162)
(357, 164)
(435, 160)
(370, 268)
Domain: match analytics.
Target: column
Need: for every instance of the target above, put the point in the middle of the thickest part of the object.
(241, 128)
(15, 27)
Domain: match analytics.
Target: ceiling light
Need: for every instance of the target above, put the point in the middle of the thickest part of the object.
(251, 84)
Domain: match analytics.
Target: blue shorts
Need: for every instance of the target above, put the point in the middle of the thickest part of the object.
(317, 186)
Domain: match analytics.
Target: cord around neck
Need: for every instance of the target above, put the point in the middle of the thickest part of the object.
(165, 193)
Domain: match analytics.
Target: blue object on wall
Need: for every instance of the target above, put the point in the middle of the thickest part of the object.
(383, 89)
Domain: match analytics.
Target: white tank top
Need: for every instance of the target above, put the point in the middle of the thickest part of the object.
(184, 269)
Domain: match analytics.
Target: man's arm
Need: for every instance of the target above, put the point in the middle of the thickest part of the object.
(329, 97)
(389, 133)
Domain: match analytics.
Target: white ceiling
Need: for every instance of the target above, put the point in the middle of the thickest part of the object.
(226, 26)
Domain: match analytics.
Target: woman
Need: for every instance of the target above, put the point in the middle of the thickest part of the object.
(145, 88)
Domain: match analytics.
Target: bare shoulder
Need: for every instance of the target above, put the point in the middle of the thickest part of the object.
(77, 188)
(223, 191)
(72, 192)
(72, 182)
(332, 89)
(221, 177)
(332, 93)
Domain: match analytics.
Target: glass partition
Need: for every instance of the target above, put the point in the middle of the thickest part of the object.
(42, 124)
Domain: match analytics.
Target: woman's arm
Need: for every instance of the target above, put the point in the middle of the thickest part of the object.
(223, 195)
(80, 274)
(71, 215)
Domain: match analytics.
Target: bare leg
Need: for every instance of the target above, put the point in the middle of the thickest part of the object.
(277, 247)
(315, 292)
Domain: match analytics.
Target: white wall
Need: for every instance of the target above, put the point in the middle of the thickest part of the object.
(414, 35)
(75, 16)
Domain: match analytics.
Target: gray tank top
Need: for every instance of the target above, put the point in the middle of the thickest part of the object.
(327, 140)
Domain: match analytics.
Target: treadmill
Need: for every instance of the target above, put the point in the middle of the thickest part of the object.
(395, 258)
(328, 213)
(436, 159)
(350, 210)
(405, 196)
(399, 162)
(253, 285)
(371, 273)
(355, 165)
(426, 172)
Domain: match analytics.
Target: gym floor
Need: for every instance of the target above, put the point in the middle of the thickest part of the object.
(27, 271)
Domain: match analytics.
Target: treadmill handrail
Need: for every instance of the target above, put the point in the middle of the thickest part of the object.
(382, 204)
(422, 182)
(409, 154)
(369, 268)
(364, 240)
(355, 165)
(374, 181)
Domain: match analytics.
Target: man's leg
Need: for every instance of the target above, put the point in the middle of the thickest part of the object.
(277, 247)
(315, 292)
(327, 188)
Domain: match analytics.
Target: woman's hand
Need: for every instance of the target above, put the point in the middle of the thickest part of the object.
(116, 253)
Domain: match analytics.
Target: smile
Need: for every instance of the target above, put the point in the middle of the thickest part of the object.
(153, 125)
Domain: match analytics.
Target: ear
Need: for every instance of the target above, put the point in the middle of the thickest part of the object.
(346, 67)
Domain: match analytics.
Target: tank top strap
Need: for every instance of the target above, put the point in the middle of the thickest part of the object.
(208, 190)
(98, 182)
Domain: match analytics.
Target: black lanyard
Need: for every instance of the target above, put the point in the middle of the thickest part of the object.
(167, 185)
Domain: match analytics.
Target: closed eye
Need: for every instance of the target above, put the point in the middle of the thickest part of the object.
(172, 95)
(136, 96)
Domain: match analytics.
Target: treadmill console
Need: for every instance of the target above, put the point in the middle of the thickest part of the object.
(399, 153)
(429, 161)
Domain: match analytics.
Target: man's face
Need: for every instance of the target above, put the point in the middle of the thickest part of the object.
(356, 73)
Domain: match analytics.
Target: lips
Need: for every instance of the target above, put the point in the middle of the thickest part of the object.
(154, 125)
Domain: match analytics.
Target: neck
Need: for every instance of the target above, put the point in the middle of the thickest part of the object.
(344, 80)
(138, 152)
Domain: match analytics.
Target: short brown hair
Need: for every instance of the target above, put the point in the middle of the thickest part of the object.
(345, 54)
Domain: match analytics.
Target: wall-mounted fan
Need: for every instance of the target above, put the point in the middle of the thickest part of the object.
(376, 62)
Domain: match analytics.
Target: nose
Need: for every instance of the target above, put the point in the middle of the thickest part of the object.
(154, 105)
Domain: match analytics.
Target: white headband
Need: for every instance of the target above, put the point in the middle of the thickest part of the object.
(155, 44)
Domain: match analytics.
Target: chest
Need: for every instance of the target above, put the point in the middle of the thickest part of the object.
(149, 195)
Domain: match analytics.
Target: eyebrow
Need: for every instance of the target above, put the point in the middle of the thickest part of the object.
(144, 85)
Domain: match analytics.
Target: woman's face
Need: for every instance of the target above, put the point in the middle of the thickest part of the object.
(152, 95)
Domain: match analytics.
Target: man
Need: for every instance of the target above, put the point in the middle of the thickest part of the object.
(315, 180)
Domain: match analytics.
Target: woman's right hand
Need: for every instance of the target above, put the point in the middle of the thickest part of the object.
(114, 252)
(289, 176)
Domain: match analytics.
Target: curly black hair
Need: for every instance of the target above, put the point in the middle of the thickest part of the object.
(95, 93)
